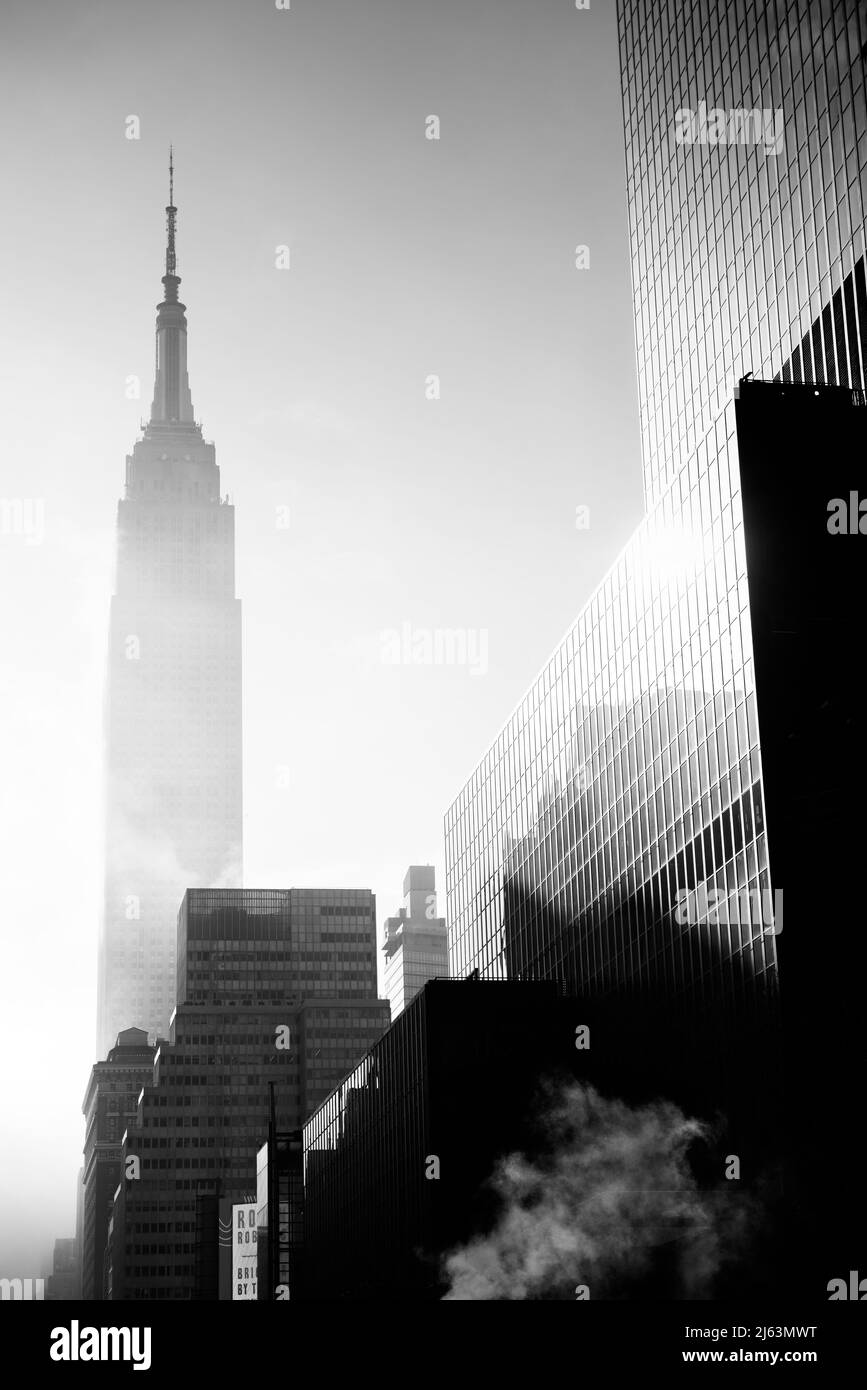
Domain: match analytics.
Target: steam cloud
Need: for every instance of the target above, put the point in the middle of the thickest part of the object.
(613, 1202)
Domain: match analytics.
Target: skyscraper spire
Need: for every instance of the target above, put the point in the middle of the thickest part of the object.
(172, 404)
(171, 279)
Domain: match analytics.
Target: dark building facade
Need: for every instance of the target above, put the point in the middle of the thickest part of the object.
(277, 988)
(110, 1103)
(397, 1159)
(632, 778)
(173, 703)
(802, 450)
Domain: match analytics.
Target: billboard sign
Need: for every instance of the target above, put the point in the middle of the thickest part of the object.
(244, 1247)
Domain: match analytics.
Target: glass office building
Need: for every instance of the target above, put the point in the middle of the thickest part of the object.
(631, 771)
(738, 247)
(640, 733)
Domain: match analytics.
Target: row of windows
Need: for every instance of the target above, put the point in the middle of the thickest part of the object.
(144, 1141)
(142, 1249)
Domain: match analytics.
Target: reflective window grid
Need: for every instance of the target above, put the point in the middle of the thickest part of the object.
(631, 769)
(736, 252)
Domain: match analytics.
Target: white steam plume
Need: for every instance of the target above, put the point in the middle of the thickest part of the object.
(612, 1202)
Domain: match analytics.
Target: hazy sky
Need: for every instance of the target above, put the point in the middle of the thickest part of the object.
(408, 257)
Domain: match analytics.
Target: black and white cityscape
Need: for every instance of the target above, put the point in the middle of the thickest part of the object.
(368, 939)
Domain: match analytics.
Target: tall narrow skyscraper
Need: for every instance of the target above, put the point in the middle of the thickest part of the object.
(173, 717)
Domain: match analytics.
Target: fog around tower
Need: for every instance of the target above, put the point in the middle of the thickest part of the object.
(364, 507)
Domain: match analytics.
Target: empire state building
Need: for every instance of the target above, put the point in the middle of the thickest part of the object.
(173, 708)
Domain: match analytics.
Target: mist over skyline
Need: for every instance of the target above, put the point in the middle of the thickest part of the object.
(363, 508)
